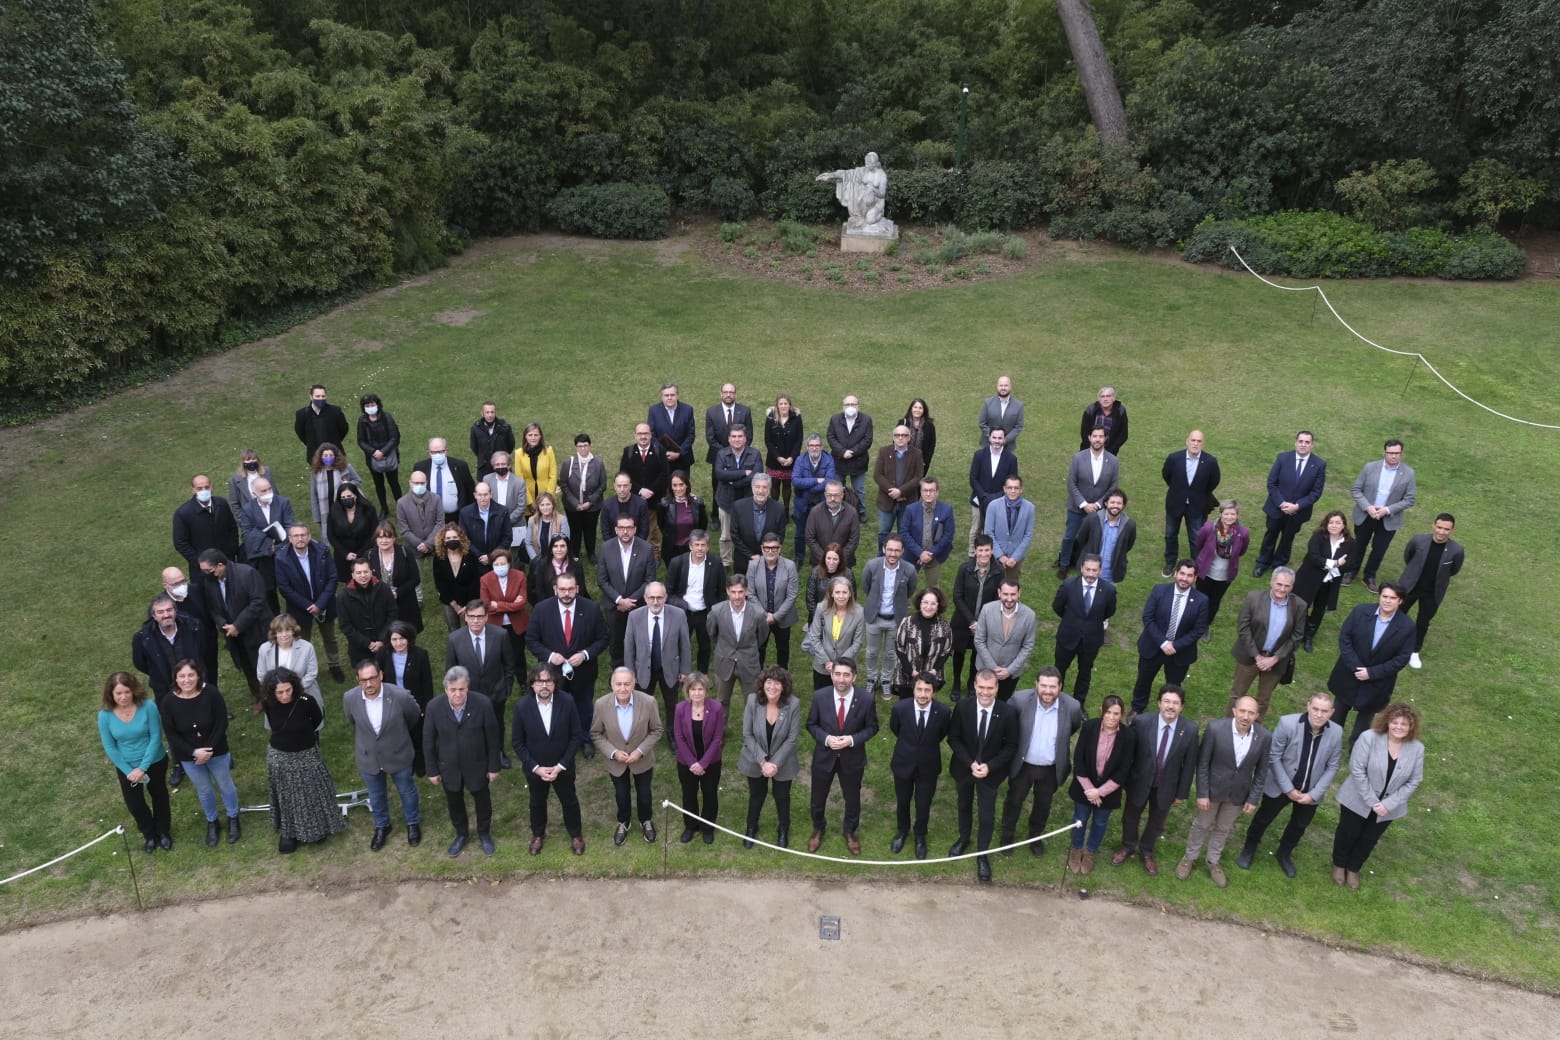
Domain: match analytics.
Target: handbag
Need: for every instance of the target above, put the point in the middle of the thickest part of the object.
(389, 464)
(1287, 677)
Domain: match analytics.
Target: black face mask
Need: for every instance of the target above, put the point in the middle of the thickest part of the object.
(252, 465)
(452, 546)
(347, 502)
(502, 471)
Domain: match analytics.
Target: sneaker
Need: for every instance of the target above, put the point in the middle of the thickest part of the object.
(1163, 574)
(1414, 661)
(1183, 869)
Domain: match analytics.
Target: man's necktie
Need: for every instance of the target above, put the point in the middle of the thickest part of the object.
(984, 712)
(841, 714)
(655, 646)
(1088, 598)
(1159, 760)
(438, 487)
(481, 657)
(921, 721)
(1178, 603)
(568, 627)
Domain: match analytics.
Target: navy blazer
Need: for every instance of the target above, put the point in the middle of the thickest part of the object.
(1156, 622)
(677, 581)
(1194, 499)
(1283, 487)
(861, 722)
(678, 428)
(495, 534)
(535, 745)
(318, 589)
(910, 524)
(985, 485)
(1081, 628)
(461, 754)
(544, 635)
(260, 541)
(917, 753)
(1175, 779)
(1383, 662)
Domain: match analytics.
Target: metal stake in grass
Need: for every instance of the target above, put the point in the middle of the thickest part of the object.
(136, 884)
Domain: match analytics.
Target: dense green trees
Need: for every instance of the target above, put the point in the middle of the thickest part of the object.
(169, 167)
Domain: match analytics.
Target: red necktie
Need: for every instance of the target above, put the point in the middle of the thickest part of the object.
(568, 627)
(842, 714)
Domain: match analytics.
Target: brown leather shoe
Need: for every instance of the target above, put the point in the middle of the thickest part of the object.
(536, 845)
(1120, 856)
(1183, 869)
(1074, 857)
(1352, 880)
(1086, 863)
(1339, 875)
(853, 843)
(1217, 873)
(814, 841)
(1149, 866)
(578, 845)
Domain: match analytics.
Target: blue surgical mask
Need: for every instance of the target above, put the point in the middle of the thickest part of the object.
(327, 459)
(501, 569)
(203, 496)
(372, 409)
(419, 489)
(438, 457)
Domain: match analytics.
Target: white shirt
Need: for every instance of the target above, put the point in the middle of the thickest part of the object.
(736, 622)
(374, 708)
(545, 711)
(693, 595)
(1242, 743)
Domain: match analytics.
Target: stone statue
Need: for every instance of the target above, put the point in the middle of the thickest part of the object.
(862, 192)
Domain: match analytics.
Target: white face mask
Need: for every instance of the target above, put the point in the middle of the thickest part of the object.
(372, 409)
(267, 499)
(419, 489)
(851, 411)
(203, 496)
(501, 569)
(180, 590)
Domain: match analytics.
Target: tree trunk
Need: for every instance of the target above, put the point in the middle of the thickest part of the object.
(1099, 83)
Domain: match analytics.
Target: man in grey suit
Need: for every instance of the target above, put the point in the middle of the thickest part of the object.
(774, 584)
(1004, 638)
(1004, 412)
(1163, 764)
(656, 647)
(1267, 630)
(382, 717)
(1047, 721)
(1307, 747)
(488, 656)
(887, 583)
(1381, 493)
(1430, 561)
(626, 565)
(460, 745)
(262, 524)
(738, 629)
(1092, 473)
(1232, 766)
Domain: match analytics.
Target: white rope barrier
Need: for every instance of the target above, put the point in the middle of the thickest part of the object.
(58, 859)
(857, 861)
(1400, 353)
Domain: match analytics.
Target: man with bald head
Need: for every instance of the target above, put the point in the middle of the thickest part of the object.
(1002, 411)
(1191, 477)
(262, 524)
(1232, 767)
(189, 597)
(204, 521)
(897, 474)
(449, 479)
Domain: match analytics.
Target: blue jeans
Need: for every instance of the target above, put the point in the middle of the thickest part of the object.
(1069, 536)
(379, 796)
(858, 483)
(1095, 821)
(1173, 537)
(218, 769)
(886, 520)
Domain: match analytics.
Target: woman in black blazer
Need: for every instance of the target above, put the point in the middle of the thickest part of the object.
(397, 569)
(405, 664)
(455, 573)
(923, 432)
(1096, 786)
(350, 528)
(1328, 556)
(546, 570)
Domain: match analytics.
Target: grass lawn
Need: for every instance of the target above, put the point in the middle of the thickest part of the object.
(579, 336)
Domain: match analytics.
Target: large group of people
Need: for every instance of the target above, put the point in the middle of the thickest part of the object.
(544, 572)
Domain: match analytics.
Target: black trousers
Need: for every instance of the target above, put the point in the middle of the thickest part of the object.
(850, 787)
(1372, 533)
(1005, 687)
(699, 630)
(1215, 591)
(641, 785)
(1085, 656)
(1362, 720)
(700, 795)
(582, 531)
(972, 793)
(1356, 838)
(1268, 811)
(1041, 780)
(457, 803)
(922, 787)
(1131, 819)
(758, 787)
(782, 641)
(963, 644)
(1148, 670)
(1278, 541)
(1428, 605)
(246, 659)
(563, 787)
(156, 820)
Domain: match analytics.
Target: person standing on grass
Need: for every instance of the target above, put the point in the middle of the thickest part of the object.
(1191, 477)
(1430, 561)
(1091, 474)
(1307, 747)
(1382, 493)
(1232, 766)
(1294, 483)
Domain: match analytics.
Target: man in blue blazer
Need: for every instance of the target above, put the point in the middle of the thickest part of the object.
(546, 736)
(1191, 477)
(1084, 604)
(921, 725)
(1175, 619)
(486, 524)
(672, 425)
(990, 468)
(927, 530)
(1374, 644)
(1163, 765)
(1294, 483)
(306, 578)
(1010, 521)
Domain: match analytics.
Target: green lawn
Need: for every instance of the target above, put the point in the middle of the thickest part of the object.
(580, 336)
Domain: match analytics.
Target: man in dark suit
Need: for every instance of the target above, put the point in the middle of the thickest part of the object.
(983, 739)
(990, 469)
(1232, 766)
(487, 526)
(568, 633)
(719, 420)
(920, 724)
(546, 736)
(696, 581)
(1090, 475)
(623, 569)
(449, 479)
(488, 657)
(1047, 720)
(384, 752)
(1374, 645)
(319, 422)
(842, 719)
(850, 442)
(1109, 534)
(306, 578)
(1175, 619)
(1084, 604)
(262, 524)
(204, 521)
(650, 476)
(168, 637)
(897, 472)
(1163, 764)
(1108, 414)
(1191, 477)
(672, 426)
(656, 648)
(622, 503)
(1294, 483)
(1267, 633)
(1307, 747)
(189, 597)
(237, 596)
(1430, 561)
(751, 520)
(489, 436)
(735, 466)
(461, 741)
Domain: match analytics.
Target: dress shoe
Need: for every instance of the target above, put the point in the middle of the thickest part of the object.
(1352, 879)
(1306, 644)
(150, 845)
(686, 836)
(176, 774)
(414, 834)
(337, 674)
(853, 843)
(649, 829)
(1074, 857)
(896, 846)
(983, 870)
(1150, 865)
(503, 761)
(165, 842)
(536, 845)
(783, 837)
(814, 841)
(1348, 579)
(1167, 571)
(213, 834)
(1371, 586)
(1061, 574)
(457, 845)
(1086, 863)
(1183, 869)
(377, 842)
(1339, 875)
(577, 846)
(1285, 863)
(958, 847)
(286, 844)
(235, 830)
(620, 835)
(1247, 854)
(747, 842)
(1006, 839)
(1217, 873)
(1120, 856)
(1259, 570)
(1037, 849)
(709, 835)
(1414, 661)
(588, 750)
(920, 847)
(486, 841)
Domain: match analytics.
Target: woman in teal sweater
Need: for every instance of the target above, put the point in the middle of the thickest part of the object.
(132, 735)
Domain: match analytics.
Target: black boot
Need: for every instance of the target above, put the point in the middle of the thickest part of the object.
(234, 832)
(1310, 633)
(747, 842)
(783, 839)
(213, 835)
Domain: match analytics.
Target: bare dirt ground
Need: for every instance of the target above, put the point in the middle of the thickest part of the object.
(544, 957)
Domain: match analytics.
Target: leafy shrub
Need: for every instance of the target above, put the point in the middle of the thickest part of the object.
(797, 238)
(952, 251)
(1014, 248)
(1484, 254)
(924, 195)
(615, 210)
(732, 233)
(803, 198)
(1002, 196)
(986, 242)
(1095, 190)
(1490, 188)
(732, 199)
(1388, 198)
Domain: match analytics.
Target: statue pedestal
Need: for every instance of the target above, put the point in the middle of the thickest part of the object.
(872, 239)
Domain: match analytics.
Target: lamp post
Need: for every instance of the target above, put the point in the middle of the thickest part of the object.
(964, 113)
